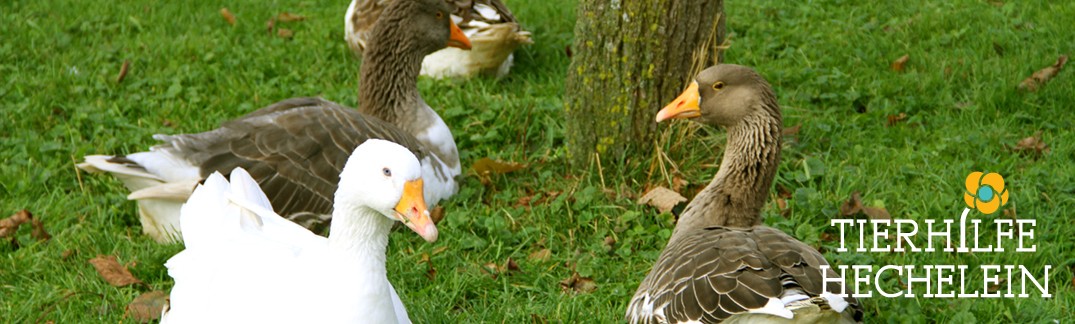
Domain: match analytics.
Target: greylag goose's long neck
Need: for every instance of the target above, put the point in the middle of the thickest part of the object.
(389, 78)
(738, 192)
(388, 87)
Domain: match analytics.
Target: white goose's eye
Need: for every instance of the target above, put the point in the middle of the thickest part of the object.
(387, 172)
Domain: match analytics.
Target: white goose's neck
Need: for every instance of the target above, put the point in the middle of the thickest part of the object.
(360, 231)
(359, 235)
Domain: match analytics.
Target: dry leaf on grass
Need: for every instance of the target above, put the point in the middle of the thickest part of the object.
(540, 255)
(8, 226)
(578, 284)
(511, 265)
(285, 33)
(663, 198)
(269, 25)
(147, 307)
(899, 63)
(1039, 78)
(489, 166)
(116, 274)
(228, 16)
(437, 214)
(1032, 145)
(486, 167)
(895, 119)
(854, 206)
(289, 17)
(123, 71)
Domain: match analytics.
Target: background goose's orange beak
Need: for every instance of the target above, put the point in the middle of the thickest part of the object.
(412, 211)
(458, 38)
(685, 106)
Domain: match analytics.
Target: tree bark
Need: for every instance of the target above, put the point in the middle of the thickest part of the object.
(631, 57)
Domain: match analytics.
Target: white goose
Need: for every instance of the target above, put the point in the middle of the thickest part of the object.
(489, 25)
(295, 148)
(245, 264)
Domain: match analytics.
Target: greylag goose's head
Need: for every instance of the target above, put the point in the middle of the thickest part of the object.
(387, 177)
(723, 95)
(423, 24)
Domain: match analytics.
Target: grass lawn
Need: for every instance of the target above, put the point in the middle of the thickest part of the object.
(953, 109)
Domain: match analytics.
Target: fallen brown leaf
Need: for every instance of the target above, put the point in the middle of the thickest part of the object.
(289, 17)
(899, 63)
(492, 269)
(284, 33)
(147, 307)
(8, 226)
(437, 214)
(663, 198)
(269, 25)
(895, 119)
(1032, 145)
(876, 212)
(1039, 78)
(116, 274)
(540, 255)
(511, 265)
(38, 230)
(228, 16)
(123, 71)
(852, 206)
(489, 166)
(678, 183)
(578, 284)
(793, 130)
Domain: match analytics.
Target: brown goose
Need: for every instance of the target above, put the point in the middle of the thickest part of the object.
(489, 24)
(296, 148)
(721, 264)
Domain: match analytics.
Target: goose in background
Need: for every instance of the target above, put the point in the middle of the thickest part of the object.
(489, 24)
(243, 263)
(296, 148)
(721, 263)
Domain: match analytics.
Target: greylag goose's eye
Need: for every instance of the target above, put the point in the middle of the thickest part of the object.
(440, 15)
(387, 172)
(718, 85)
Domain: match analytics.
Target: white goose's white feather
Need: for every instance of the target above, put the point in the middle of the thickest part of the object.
(245, 264)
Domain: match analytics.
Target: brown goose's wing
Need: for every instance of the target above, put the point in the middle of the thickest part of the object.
(711, 274)
(295, 149)
(467, 10)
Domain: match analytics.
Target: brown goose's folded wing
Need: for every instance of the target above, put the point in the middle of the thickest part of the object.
(295, 149)
(710, 274)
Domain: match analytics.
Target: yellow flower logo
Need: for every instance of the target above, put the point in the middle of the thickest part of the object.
(985, 192)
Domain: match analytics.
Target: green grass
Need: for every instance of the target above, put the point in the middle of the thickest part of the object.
(828, 61)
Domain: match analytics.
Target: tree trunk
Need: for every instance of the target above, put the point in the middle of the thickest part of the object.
(631, 57)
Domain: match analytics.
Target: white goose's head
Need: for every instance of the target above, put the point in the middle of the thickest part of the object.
(387, 177)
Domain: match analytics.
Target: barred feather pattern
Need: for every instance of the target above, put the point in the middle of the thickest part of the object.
(710, 274)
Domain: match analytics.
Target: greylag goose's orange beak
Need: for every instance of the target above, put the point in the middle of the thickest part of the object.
(412, 211)
(458, 38)
(685, 106)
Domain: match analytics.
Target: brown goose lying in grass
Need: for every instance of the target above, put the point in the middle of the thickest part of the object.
(296, 148)
(487, 23)
(721, 263)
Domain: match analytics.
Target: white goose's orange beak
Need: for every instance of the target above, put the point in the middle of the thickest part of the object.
(685, 106)
(458, 38)
(412, 211)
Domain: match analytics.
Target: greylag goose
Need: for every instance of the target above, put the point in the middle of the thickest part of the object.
(245, 264)
(721, 264)
(488, 24)
(296, 148)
